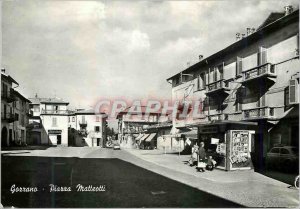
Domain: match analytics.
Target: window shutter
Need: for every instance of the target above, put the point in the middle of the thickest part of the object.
(293, 91)
(262, 56)
(239, 66)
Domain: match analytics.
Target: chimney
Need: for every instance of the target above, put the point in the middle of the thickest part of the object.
(238, 36)
(200, 57)
(288, 9)
(2, 70)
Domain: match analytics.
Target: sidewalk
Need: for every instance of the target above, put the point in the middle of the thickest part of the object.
(245, 187)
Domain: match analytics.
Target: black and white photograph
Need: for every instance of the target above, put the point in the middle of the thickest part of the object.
(149, 104)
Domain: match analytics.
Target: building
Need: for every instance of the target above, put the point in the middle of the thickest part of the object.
(22, 114)
(87, 128)
(248, 94)
(7, 109)
(14, 113)
(132, 127)
(49, 121)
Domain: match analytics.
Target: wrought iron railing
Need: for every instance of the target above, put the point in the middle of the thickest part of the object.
(258, 71)
(221, 84)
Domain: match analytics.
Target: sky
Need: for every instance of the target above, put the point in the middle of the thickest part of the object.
(82, 51)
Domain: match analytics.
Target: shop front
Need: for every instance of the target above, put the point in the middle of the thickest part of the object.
(230, 144)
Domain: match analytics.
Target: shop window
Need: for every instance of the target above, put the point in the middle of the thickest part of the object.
(97, 128)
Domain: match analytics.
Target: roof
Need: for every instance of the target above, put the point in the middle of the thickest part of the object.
(271, 18)
(8, 77)
(37, 100)
(21, 96)
(267, 27)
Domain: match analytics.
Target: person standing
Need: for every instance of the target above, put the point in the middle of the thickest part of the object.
(202, 157)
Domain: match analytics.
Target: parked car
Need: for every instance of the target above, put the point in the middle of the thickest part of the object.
(285, 158)
(116, 147)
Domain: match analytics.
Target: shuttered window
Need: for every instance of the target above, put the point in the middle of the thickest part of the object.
(292, 92)
(239, 66)
(262, 56)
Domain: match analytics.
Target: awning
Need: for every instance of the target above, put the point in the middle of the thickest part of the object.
(150, 137)
(144, 137)
(209, 123)
(191, 134)
(139, 137)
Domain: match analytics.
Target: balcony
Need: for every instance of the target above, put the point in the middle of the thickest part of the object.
(9, 117)
(217, 117)
(258, 113)
(83, 124)
(265, 72)
(8, 96)
(54, 112)
(217, 87)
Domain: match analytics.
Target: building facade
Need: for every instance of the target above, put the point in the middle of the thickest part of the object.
(132, 127)
(248, 93)
(49, 121)
(87, 128)
(7, 109)
(22, 114)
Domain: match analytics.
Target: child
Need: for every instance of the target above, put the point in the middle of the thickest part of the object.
(210, 164)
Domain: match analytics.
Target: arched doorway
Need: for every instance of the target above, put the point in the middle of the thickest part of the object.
(4, 137)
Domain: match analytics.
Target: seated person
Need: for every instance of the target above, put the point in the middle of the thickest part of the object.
(211, 163)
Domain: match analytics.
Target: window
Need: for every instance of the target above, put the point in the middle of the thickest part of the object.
(284, 151)
(97, 128)
(36, 108)
(73, 119)
(203, 80)
(262, 56)
(69, 119)
(54, 121)
(293, 91)
(97, 119)
(239, 66)
(275, 150)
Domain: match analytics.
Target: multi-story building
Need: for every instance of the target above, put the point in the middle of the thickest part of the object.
(248, 93)
(49, 121)
(132, 126)
(7, 110)
(22, 114)
(87, 128)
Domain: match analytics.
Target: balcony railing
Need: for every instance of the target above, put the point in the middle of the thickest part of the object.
(8, 95)
(219, 116)
(221, 85)
(265, 70)
(83, 124)
(258, 113)
(9, 117)
(54, 112)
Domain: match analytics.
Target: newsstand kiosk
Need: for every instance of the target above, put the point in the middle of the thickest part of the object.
(234, 151)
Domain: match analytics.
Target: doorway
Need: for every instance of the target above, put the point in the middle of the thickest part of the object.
(4, 137)
(58, 139)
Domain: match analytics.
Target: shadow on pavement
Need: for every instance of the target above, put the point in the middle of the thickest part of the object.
(126, 185)
(26, 148)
